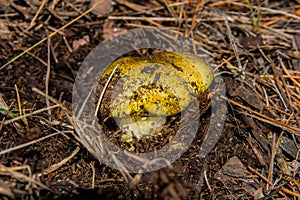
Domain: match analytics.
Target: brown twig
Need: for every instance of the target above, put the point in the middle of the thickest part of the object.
(4, 169)
(61, 163)
(32, 23)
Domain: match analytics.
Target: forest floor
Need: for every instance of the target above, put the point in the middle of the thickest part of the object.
(254, 45)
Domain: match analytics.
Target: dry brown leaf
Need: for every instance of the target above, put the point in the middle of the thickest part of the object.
(103, 9)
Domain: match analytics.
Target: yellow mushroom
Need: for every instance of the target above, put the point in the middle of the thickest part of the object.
(152, 88)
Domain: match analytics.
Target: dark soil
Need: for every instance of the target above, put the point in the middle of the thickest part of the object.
(256, 48)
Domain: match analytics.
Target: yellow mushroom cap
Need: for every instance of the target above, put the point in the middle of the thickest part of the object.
(161, 84)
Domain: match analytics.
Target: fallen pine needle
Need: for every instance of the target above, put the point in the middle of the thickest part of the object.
(266, 118)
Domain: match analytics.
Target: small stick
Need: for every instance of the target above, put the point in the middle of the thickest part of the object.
(262, 177)
(232, 43)
(48, 75)
(31, 142)
(50, 98)
(59, 164)
(271, 165)
(19, 175)
(94, 172)
(32, 23)
(284, 76)
(256, 152)
(30, 114)
(160, 19)
(205, 175)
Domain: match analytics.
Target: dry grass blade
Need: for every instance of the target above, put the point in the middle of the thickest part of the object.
(94, 172)
(48, 74)
(61, 163)
(158, 19)
(31, 142)
(104, 89)
(51, 35)
(50, 98)
(30, 114)
(13, 173)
